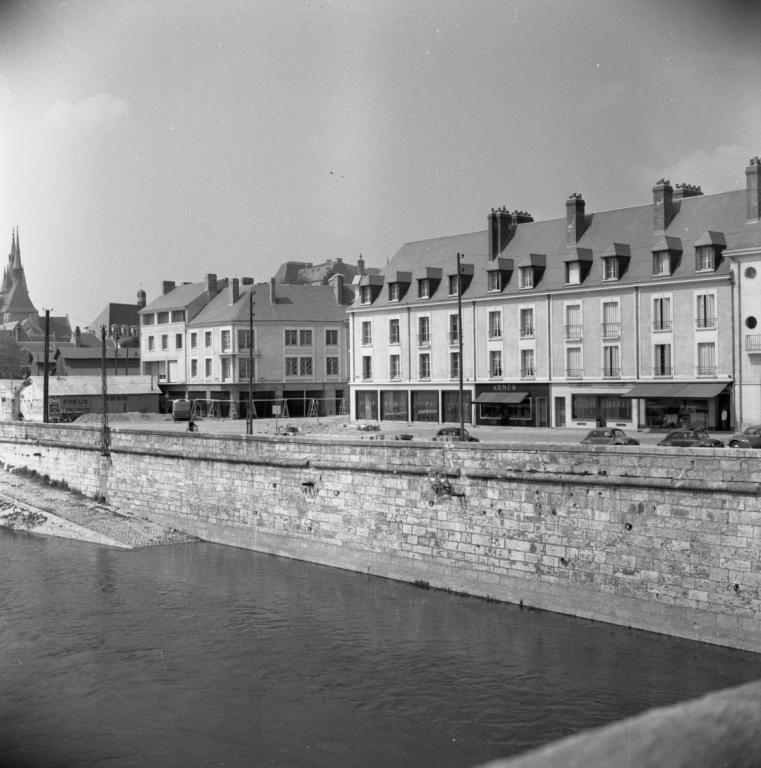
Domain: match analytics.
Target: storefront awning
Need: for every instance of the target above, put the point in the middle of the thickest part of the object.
(501, 397)
(666, 389)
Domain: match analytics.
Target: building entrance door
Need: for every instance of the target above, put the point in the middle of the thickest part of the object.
(559, 411)
(541, 412)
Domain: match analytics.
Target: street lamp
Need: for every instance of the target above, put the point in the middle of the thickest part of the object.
(459, 329)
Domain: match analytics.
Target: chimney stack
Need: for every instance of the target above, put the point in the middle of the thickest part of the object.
(575, 219)
(360, 265)
(166, 286)
(663, 204)
(77, 337)
(501, 228)
(234, 290)
(211, 285)
(338, 287)
(141, 299)
(247, 281)
(752, 184)
(686, 190)
(273, 292)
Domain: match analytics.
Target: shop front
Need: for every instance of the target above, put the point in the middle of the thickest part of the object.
(671, 405)
(512, 405)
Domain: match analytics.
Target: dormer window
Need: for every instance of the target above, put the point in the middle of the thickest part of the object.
(610, 268)
(369, 288)
(666, 253)
(365, 294)
(708, 251)
(704, 259)
(615, 260)
(661, 263)
(424, 288)
(494, 281)
(572, 272)
(498, 274)
(526, 277)
(394, 292)
(453, 285)
(577, 265)
(398, 282)
(530, 270)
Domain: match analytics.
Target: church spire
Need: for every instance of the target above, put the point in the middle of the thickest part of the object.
(16, 251)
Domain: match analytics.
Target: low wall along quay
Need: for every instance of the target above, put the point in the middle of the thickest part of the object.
(666, 540)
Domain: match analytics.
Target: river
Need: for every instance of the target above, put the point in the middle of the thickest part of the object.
(202, 655)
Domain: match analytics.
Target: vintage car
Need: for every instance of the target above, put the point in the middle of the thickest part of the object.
(748, 438)
(691, 438)
(609, 436)
(453, 433)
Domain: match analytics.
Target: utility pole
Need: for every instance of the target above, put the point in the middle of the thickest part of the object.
(116, 352)
(105, 434)
(459, 331)
(250, 408)
(45, 387)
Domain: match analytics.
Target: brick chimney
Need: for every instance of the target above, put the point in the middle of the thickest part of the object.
(686, 190)
(141, 299)
(166, 286)
(752, 184)
(273, 292)
(234, 290)
(77, 337)
(501, 228)
(575, 220)
(247, 281)
(211, 285)
(663, 205)
(338, 287)
(360, 265)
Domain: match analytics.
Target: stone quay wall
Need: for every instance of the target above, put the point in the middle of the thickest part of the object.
(667, 540)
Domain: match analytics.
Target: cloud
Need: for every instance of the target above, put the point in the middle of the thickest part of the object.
(89, 114)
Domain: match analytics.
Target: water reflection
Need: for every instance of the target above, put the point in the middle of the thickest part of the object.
(200, 655)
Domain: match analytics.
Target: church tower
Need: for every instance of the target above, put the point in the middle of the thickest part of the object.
(15, 303)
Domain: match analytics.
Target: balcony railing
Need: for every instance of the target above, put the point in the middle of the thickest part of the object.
(574, 373)
(706, 370)
(454, 337)
(528, 372)
(573, 332)
(611, 372)
(527, 331)
(753, 343)
(663, 371)
(611, 330)
(424, 339)
(705, 322)
(495, 373)
(495, 333)
(662, 325)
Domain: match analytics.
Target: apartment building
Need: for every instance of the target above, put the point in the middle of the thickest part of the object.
(642, 316)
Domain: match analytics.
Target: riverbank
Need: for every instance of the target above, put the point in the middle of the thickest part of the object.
(32, 503)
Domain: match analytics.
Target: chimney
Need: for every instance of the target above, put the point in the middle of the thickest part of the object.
(247, 281)
(663, 204)
(211, 284)
(752, 184)
(141, 299)
(273, 292)
(166, 286)
(234, 290)
(77, 337)
(500, 231)
(574, 217)
(360, 265)
(338, 287)
(686, 190)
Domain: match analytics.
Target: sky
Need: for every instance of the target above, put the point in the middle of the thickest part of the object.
(147, 140)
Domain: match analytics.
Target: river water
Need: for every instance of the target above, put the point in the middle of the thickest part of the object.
(202, 655)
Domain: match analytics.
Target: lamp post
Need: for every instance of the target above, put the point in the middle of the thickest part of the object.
(250, 408)
(459, 333)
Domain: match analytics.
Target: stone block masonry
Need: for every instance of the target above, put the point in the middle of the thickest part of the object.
(660, 539)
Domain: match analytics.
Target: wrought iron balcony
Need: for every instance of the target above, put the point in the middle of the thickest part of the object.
(573, 332)
(611, 330)
(662, 325)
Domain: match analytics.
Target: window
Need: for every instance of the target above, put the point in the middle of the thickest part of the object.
(151, 343)
(662, 360)
(243, 369)
(164, 341)
(207, 367)
(305, 366)
(424, 365)
(367, 367)
(454, 365)
(706, 312)
(574, 368)
(226, 341)
(573, 272)
(424, 331)
(365, 295)
(573, 326)
(178, 341)
(453, 285)
(394, 292)
(194, 341)
(706, 359)
(494, 280)
(393, 331)
(495, 325)
(367, 333)
(495, 363)
(244, 338)
(178, 316)
(704, 258)
(149, 319)
(424, 288)
(527, 363)
(331, 337)
(662, 314)
(163, 317)
(611, 325)
(661, 263)
(305, 338)
(194, 368)
(611, 367)
(395, 367)
(331, 366)
(527, 323)
(291, 338)
(526, 277)
(207, 339)
(610, 268)
(226, 368)
(454, 329)
(291, 366)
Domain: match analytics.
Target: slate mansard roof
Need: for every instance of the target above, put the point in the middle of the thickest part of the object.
(698, 220)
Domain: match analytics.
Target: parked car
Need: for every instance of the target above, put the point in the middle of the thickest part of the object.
(691, 438)
(609, 437)
(181, 410)
(748, 438)
(453, 433)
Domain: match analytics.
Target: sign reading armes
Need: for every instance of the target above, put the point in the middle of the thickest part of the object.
(504, 387)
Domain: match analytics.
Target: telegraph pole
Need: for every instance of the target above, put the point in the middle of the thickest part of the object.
(45, 386)
(105, 435)
(250, 408)
(459, 329)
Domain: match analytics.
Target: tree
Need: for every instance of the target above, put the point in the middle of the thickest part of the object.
(14, 361)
